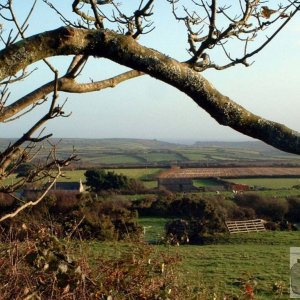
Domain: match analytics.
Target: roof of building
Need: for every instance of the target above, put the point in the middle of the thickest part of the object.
(68, 186)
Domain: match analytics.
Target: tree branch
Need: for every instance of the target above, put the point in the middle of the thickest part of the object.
(126, 51)
(32, 203)
(64, 84)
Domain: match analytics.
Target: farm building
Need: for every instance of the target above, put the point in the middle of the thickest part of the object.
(181, 180)
(68, 186)
(177, 184)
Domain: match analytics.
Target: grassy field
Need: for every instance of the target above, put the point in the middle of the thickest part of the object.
(205, 182)
(138, 151)
(262, 258)
(219, 269)
(145, 174)
(272, 183)
(141, 174)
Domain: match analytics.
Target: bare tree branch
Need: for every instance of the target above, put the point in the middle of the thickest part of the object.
(125, 50)
(32, 203)
(64, 84)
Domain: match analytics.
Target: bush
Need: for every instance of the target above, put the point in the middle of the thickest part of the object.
(99, 180)
(273, 209)
(178, 232)
(45, 269)
(293, 214)
(235, 212)
(204, 218)
(62, 201)
(7, 203)
(107, 218)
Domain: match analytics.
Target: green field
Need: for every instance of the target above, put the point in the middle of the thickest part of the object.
(263, 257)
(218, 267)
(221, 268)
(148, 176)
(139, 151)
(141, 174)
(272, 183)
(145, 174)
(205, 182)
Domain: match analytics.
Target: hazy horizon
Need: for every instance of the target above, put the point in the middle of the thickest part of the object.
(168, 140)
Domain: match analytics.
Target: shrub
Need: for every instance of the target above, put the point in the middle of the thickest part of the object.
(107, 218)
(7, 203)
(45, 269)
(273, 209)
(62, 201)
(204, 218)
(293, 214)
(235, 212)
(178, 232)
(100, 179)
(135, 186)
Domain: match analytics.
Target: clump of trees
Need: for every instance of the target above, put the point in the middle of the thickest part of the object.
(100, 180)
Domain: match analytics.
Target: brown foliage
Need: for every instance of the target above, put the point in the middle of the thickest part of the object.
(44, 269)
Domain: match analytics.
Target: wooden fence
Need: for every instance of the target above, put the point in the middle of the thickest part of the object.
(256, 225)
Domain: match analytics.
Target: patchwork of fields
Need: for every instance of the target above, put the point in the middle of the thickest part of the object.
(212, 270)
(104, 152)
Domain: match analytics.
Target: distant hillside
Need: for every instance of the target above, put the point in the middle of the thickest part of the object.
(107, 144)
(249, 145)
(140, 152)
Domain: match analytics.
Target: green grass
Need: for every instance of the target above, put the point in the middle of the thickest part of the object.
(140, 174)
(192, 155)
(205, 182)
(154, 228)
(161, 156)
(264, 256)
(150, 184)
(218, 268)
(10, 180)
(261, 256)
(75, 175)
(272, 183)
(116, 159)
(222, 158)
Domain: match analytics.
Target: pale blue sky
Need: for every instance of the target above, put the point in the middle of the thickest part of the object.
(147, 108)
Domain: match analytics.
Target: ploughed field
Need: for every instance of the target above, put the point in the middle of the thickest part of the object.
(228, 172)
